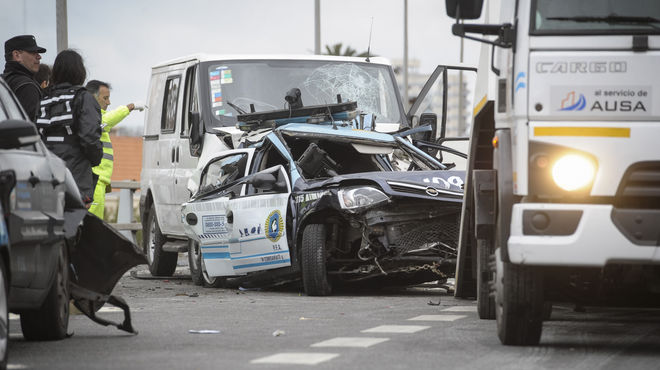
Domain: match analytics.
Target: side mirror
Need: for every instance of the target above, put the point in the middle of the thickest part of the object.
(16, 133)
(263, 181)
(196, 131)
(464, 9)
(267, 182)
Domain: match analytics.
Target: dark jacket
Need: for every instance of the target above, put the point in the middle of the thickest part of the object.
(83, 149)
(22, 83)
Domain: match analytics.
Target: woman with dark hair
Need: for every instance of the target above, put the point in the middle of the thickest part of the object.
(70, 121)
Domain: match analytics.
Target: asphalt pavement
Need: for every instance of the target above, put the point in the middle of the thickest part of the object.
(183, 326)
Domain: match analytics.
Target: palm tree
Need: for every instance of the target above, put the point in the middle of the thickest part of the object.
(348, 51)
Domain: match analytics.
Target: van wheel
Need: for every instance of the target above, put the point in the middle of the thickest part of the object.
(4, 313)
(194, 259)
(314, 255)
(518, 303)
(485, 302)
(161, 263)
(51, 321)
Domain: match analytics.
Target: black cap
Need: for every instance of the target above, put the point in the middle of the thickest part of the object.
(23, 42)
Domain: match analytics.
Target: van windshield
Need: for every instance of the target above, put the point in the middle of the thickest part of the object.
(234, 87)
(557, 17)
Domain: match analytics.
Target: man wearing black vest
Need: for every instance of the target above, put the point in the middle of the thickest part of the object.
(22, 62)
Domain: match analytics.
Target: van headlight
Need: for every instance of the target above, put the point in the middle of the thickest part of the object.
(358, 197)
(573, 171)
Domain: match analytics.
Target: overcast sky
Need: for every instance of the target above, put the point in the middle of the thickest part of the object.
(120, 40)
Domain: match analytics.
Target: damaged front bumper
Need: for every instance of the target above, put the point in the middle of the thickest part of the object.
(99, 256)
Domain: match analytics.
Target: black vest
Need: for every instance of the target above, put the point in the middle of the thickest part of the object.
(56, 114)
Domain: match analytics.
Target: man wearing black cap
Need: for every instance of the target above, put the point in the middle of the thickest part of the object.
(22, 56)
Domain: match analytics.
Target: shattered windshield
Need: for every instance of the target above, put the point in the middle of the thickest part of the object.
(236, 87)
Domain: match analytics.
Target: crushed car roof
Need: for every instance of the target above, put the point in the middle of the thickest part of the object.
(339, 129)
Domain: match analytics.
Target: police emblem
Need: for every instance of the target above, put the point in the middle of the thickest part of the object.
(274, 226)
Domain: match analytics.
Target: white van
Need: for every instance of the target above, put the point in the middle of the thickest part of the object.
(194, 102)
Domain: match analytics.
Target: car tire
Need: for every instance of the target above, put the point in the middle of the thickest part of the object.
(51, 321)
(314, 255)
(161, 263)
(4, 313)
(519, 303)
(198, 269)
(485, 302)
(194, 258)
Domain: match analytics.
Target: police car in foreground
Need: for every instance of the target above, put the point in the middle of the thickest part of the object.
(307, 194)
(51, 249)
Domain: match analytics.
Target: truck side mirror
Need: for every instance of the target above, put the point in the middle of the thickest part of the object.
(464, 9)
(16, 133)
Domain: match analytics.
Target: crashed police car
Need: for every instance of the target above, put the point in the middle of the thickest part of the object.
(53, 249)
(313, 191)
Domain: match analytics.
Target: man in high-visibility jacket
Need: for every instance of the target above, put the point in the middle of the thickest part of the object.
(101, 91)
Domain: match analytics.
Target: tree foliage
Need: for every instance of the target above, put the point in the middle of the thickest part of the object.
(348, 51)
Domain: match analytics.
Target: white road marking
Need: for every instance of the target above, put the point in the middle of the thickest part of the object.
(13, 316)
(437, 318)
(398, 329)
(460, 309)
(296, 358)
(16, 366)
(361, 342)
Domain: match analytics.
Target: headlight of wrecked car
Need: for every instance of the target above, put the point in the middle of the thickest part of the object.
(360, 197)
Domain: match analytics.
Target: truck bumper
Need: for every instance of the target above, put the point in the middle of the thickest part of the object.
(583, 235)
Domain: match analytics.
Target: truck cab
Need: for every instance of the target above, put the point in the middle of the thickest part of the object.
(564, 205)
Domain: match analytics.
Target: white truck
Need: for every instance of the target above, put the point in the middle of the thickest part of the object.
(562, 196)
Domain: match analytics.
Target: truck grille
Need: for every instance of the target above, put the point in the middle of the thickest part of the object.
(642, 180)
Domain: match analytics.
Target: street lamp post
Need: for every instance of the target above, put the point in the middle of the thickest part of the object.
(317, 27)
(61, 25)
(405, 54)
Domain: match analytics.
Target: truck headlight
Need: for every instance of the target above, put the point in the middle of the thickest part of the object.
(559, 172)
(572, 172)
(360, 197)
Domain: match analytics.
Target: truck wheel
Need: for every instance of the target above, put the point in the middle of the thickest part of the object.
(314, 252)
(51, 321)
(4, 314)
(518, 303)
(161, 263)
(194, 258)
(485, 302)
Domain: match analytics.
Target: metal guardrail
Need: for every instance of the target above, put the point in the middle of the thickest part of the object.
(126, 223)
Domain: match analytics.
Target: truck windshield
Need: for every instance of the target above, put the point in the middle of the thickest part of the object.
(236, 87)
(556, 17)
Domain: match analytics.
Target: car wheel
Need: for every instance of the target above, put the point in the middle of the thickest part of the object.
(314, 253)
(194, 258)
(518, 303)
(161, 263)
(4, 314)
(485, 302)
(51, 321)
(211, 281)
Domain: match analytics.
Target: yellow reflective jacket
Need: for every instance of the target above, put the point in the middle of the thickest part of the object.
(108, 121)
